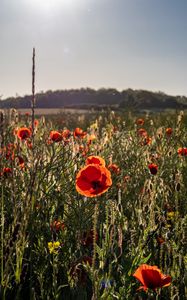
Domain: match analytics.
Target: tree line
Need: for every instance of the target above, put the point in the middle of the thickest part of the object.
(87, 97)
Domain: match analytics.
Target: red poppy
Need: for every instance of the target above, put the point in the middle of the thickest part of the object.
(79, 133)
(57, 225)
(6, 172)
(169, 131)
(95, 160)
(36, 123)
(93, 180)
(151, 277)
(140, 121)
(182, 151)
(142, 132)
(114, 168)
(66, 134)
(55, 136)
(23, 133)
(21, 162)
(147, 141)
(9, 151)
(153, 168)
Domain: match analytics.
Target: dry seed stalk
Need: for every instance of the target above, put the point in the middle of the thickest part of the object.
(33, 101)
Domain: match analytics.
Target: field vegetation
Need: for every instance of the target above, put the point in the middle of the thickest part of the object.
(93, 206)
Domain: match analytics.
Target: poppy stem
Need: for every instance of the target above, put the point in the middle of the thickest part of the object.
(94, 233)
(94, 251)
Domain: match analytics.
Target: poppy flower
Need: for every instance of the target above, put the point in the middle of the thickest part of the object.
(151, 277)
(23, 133)
(153, 168)
(36, 123)
(95, 160)
(182, 151)
(79, 133)
(57, 225)
(21, 162)
(140, 121)
(6, 172)
(93, 180)
(55, 136)
(114, 168)
(169, 131)
(146, 141)
(142, 132)
(66, 134)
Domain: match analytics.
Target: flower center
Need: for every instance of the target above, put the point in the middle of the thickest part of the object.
(96, 185)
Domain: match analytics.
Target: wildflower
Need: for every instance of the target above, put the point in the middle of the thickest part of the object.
(160, 240)
(151, 277)
(6, 171)
(114, 168)
(140, 121)
(142, 132)
(153, 168)
(66, 134)
(23, 133)
(170, 214)
(55, 136)
(90, 138)
(53, 247)
(57, 225)
(36, 123)
(147, 141)
(169, 131)
(21, 162)
(95, 160)
(93, 180)
(79, 133)
(182, 151)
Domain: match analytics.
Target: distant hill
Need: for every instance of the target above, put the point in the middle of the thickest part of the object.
(87, 97)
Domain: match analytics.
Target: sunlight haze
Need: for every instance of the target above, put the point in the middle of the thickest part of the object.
(138, 44)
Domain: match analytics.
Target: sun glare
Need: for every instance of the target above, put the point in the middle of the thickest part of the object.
(53, 4)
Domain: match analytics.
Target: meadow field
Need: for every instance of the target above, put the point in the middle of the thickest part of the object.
(93, 206)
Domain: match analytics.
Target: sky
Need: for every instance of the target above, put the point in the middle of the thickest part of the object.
(138, 44)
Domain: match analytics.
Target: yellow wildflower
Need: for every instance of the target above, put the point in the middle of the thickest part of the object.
(172, 214)
(53, 247)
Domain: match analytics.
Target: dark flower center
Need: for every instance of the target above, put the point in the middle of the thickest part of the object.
(96, 185)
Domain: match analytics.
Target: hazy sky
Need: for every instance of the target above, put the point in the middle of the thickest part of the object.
(139, 44)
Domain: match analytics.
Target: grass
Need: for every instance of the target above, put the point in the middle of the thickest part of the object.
(96, 244)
